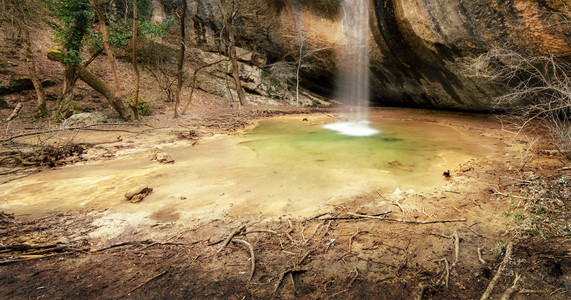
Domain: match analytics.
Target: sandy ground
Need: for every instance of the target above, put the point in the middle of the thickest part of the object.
(74, 236)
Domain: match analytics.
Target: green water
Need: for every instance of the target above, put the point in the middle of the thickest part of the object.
(399, 148)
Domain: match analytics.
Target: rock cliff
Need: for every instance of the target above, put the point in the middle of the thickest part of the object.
(419, 48)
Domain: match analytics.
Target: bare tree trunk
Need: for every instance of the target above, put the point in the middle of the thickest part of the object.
(135, 106)
(41, 94)
(236, 68)
(180, 59)
(107, 46)
(65, 100)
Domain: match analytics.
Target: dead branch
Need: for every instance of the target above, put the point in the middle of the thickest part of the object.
(351, 216)
(402, 209)
(15, 112)
(480, 256)
(409, 221)
(456, 247)
(336, 294)
(7, 262)
(87, 127)
(259, 231)
(501, 268)
(232, 235)
(515, 286)
(252, 256)
(129, 243)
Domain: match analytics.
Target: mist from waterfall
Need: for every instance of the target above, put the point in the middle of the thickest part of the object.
(353, 80)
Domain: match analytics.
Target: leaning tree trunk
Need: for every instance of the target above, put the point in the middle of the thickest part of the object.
(80, 72)
(41, 94)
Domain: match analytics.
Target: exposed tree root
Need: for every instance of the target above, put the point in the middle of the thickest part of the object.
(231, 236)
(447, 269)
(515, 286)
(286, 272)
(501, 268)
(252, 256)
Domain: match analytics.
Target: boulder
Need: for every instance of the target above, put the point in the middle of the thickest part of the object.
(85, 119)
(137, 194)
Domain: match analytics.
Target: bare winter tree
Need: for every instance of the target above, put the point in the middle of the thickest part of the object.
(180, 66)
(539, 88)
(230, 13)
(25, 16)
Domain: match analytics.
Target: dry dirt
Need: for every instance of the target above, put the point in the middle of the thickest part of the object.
(409, 252)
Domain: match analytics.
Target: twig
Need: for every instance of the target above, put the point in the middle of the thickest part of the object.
(259, 231)
(232, 235)
(447, 266)
(144, 283)
(354, 278)
(480, 256)
(508, 293)
(252, 256)
(303, 258)
(353, 237)
(475, 232)
(402, 209)
(456, 247)
(7, 262)
(409, 221)
(501, 268)
(352, 216)
(123, 244)
(15, 112)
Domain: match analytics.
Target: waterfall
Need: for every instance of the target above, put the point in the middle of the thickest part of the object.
(353, 82)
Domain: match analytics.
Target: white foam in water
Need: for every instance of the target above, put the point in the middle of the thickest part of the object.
(360, 128)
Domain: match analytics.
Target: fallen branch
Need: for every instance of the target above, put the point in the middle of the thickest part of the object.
(480, 256)
(336, 294)
(7, 262)
(501, 268)
(252, 256)
(231, 236)
(87, 127)
(456, 247)
(15, 112)
(351, 216)
(509, 292)
(408, 221)
(129, 243)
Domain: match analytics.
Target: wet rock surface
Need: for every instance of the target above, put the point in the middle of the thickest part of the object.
(420, 48)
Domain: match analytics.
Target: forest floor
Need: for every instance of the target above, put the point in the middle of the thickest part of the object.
(492, 224)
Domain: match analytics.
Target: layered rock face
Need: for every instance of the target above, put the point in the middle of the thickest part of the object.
(419, 48)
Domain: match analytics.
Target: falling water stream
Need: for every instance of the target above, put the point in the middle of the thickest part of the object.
(354, 65)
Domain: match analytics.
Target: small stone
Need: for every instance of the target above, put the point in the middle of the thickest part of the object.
(164, 158)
